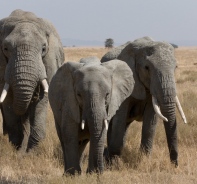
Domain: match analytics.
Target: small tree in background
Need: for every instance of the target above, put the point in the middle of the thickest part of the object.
(109, 43)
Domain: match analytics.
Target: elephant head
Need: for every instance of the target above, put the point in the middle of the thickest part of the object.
(153, 65)
(89, 93)
(30, 54)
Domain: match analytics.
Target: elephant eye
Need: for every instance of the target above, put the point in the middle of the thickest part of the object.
(44, 49)
(78, 95)
(107, 97)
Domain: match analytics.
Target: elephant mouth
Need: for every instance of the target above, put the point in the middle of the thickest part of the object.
(160, 115)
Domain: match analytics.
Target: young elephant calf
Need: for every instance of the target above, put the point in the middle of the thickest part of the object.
(84, 96)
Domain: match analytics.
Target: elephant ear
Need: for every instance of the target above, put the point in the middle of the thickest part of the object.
(127, 53)
(114, 53)
(55, 55)
(3, 60)
(122, 84)
(61, 92)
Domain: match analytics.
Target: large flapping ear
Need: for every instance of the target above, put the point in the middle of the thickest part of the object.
(55, 54)
(3, 64)
(3, 60)
(122, 84)
(127, 53)
(61, 92)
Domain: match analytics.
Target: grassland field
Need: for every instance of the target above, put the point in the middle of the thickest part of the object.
(45, 163)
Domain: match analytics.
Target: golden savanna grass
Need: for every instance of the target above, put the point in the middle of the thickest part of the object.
(45, 163)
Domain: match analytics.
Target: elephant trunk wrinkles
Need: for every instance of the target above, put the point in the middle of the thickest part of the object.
(167, 103)
(97, 135)
(24, 78)
(168, 110)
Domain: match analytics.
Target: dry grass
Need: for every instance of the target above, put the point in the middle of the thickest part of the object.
(45, 163)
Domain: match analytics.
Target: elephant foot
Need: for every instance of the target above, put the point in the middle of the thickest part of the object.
(175, 163)
(21, 152)
(96, 170)
(72, 172)
(110, 158)
(107, 157)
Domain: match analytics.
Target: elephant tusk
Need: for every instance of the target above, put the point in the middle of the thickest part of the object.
(4, 92)
(157, 109)
(83, 124)
(180, 109)
(106, 124)
(45, 85)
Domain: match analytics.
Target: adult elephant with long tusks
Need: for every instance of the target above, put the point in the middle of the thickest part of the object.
(31, 53)
(84, 96)
(154, 95)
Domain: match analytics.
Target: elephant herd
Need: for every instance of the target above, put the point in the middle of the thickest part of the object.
(92, 100)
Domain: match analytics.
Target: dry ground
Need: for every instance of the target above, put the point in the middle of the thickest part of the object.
(45, 164)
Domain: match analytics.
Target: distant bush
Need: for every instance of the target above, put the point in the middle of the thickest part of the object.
(109, 43)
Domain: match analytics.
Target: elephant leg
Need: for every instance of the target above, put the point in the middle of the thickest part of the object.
(58, 129)
(117, 130)
(171, 134)
(148, 128)
(38, 114)
(12, 125)
(69, 132)
(82, 146)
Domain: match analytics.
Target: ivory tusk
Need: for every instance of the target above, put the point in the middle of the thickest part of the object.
(45, 85)
(180, 110)
(4, 92)
(83, 124)
(106, 124)
(157, 109)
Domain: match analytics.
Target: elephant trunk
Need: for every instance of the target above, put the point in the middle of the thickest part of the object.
(168, 110)
(165, 92)
(98, 129)
(167, 102)
(24, 82)
(23, 75)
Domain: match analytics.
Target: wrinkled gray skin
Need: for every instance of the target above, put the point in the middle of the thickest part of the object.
(153, 65)
(30, 52)
(92, 92)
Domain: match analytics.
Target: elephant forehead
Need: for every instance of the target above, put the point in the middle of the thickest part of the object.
(93, 72)
(93, 77)
(162, 55)
(26, 29)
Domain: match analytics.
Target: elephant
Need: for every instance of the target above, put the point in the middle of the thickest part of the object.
(154, 95)
(30, 54)
(84, 96)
